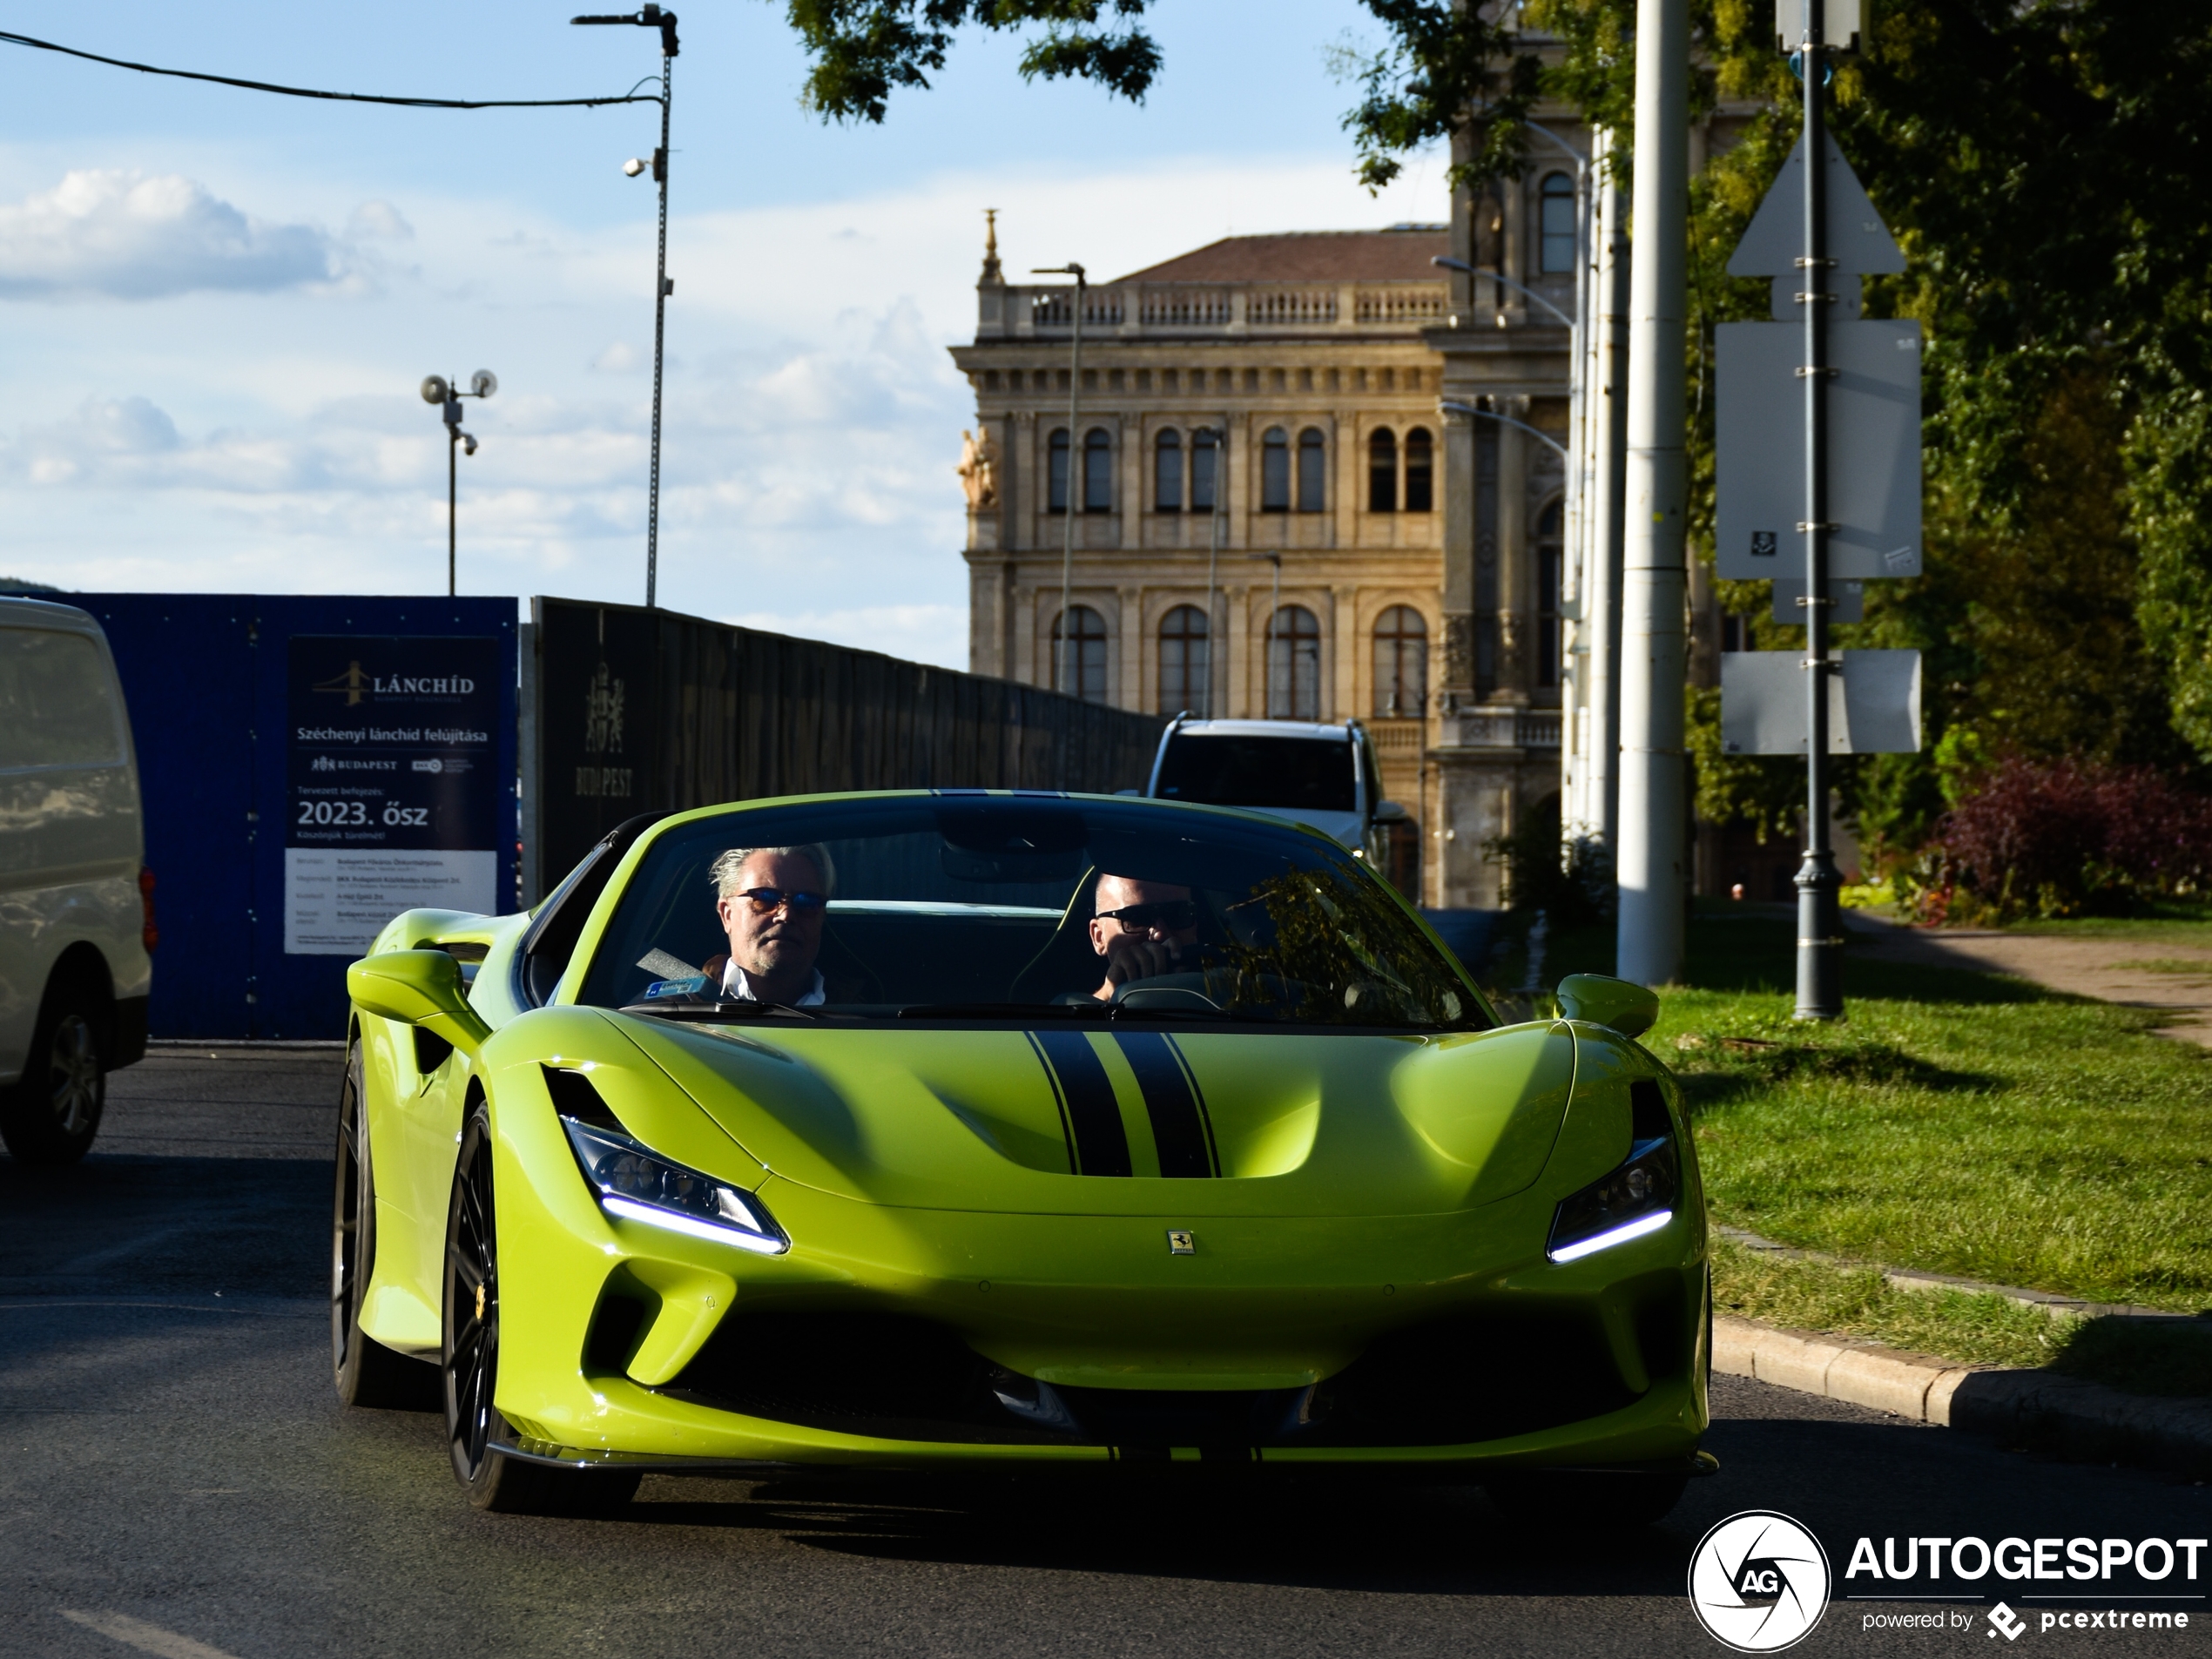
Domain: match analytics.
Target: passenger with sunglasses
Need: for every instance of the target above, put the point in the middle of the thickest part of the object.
(1143, 929)
(771, 901)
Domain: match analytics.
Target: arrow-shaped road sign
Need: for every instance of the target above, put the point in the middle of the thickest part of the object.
(1873, 395)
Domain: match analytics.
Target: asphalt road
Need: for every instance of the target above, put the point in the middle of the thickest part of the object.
(176, 1478)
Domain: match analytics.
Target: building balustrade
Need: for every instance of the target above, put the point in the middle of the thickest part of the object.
(1242, 308)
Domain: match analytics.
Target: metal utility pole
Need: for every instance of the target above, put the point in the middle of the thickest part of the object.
(1653, 807)
(1820, 945)
(1608, 421)
(654, 17)
(448, 395)
(1077, 482)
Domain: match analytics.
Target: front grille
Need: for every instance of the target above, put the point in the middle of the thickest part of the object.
(1456, 1381)
(880, 1374)
(894, 1376)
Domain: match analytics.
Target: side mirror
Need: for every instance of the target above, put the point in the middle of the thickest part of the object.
(1389, 812)
(1621, 1004)
(418, 987)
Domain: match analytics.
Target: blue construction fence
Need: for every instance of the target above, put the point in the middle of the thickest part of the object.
(310, 766)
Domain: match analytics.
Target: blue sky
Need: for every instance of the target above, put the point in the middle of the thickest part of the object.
(218, 304)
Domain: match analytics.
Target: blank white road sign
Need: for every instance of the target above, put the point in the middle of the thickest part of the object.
(1873, 704)
(1874, 449)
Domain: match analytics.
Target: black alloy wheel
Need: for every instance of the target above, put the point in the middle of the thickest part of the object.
(474, 1427)
(366, 1372)
(51, 1116)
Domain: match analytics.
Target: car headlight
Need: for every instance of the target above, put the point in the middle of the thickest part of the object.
(638, 1183)
(1636, 1198)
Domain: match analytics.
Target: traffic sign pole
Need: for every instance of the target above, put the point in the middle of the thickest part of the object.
(1820, 945)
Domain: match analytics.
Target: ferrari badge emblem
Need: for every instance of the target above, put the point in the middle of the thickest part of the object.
(1181, 1242)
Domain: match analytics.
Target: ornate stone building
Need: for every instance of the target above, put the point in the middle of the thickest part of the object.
(1272, 517)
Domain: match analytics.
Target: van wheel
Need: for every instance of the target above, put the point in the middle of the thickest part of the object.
(52, 1115)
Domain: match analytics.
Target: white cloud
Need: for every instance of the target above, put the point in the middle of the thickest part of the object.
(266, 442)
(135, 236)
(378, 221)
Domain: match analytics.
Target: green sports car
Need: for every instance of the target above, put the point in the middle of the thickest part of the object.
(997, 1131)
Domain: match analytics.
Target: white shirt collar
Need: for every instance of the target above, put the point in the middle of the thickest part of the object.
(734, 983)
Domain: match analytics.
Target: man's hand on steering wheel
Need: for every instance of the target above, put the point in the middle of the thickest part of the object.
(1133, 956)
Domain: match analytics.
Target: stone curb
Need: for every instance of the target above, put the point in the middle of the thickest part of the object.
(2077, 1418)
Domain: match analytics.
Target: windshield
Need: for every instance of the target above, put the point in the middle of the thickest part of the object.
(1020, 907)
(1312, 772)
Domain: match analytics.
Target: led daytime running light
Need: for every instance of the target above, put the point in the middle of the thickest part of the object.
(1621, 1235)
(630, 1209)
(639, 1184)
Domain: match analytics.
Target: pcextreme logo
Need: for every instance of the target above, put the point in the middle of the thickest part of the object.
(1758, 1582)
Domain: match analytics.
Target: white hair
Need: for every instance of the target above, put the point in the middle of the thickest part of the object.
(724, 871)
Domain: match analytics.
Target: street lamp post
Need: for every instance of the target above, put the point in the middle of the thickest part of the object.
(1453, 406)
(1065, 656)
(1215, 648)
(1267, 659)
(654, 17)
(448, 395)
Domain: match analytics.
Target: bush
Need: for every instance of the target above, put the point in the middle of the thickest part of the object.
(1571, 882)
(2065, 838)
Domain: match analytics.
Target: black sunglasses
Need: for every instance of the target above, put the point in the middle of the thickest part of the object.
(1170, 916)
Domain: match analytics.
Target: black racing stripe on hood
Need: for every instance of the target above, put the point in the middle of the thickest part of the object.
(1179, 1128)
(1087, 1096)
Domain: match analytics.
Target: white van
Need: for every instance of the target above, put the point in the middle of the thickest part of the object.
(76, 899)
(1324, 777)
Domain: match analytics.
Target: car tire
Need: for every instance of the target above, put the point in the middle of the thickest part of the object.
(1587, 1502)
(367, 1373)
(51, 1115)
(474, 1429)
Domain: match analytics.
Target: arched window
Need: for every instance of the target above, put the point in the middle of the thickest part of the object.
(1167, 472)
(1401, 665)
(1312, 471)
(1556, 223)
(1057, 490)
(1382, 471)
(1079, 665)
(1550, 557)
(1294, 665)
(1420, 471)
(1098, 471)
(1275, 471)
(1184, 660)
(1203, 469)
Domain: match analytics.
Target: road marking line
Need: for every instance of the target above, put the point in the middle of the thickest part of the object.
(146, 1638)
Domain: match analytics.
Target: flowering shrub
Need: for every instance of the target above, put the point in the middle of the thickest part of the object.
(2059, 839)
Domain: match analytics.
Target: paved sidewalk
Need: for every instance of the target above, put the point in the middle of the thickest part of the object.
(2083, 967)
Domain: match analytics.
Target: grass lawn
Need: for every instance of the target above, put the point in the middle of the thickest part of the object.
(1954, 1122)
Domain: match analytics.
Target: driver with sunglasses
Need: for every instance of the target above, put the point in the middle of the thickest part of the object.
(1143, 929)
(772, 900)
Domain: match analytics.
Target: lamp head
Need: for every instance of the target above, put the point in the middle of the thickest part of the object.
(435, 389)
(468, 444)
(633, 167)
(483, 382)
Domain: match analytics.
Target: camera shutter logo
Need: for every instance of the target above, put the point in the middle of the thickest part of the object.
(1758, 1582)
